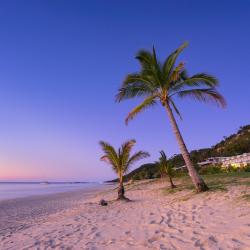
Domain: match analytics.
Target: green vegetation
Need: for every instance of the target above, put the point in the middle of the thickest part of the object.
(146, 171)
(121, 160)
(160, 83)
(216, 182)
(166, 168)
(237, 143)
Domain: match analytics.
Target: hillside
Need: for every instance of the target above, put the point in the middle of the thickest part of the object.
(234, 144)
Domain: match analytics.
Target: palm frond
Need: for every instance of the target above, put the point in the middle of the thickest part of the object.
(145, 58)
(165, 166)
(162, 163)
(170, 61)
(125, 151)
(137, 77)
(157, 69)
(163, 156)
(154, 56)
(175, 108)
(127, 146)
(133, 90)
(170, 169)
(135, 85)
(204, 95)
(197, 80)
(162, 168)
(202, 79)
(136, 157)
(150, 66)
(176, 73)
(110, 156)
(148, 102)
(107, 148)
(183, 75)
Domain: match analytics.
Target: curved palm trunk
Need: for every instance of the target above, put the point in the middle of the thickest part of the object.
(171, 182)
(200, 185)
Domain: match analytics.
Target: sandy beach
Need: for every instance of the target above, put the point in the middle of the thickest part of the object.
(154, 219)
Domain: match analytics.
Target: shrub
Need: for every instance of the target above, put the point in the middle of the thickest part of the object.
(247, 168)
(232, 169)
(211, 170)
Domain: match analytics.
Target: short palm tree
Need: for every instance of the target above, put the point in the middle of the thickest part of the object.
(121, 160)
(157, 82)
(166, 168)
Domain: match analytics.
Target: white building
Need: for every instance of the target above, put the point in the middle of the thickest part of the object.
(212, 161)
(236, 161)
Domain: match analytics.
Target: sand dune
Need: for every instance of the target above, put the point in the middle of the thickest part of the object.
(184, 220)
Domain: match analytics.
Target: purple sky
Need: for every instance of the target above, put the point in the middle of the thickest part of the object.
(61, 63)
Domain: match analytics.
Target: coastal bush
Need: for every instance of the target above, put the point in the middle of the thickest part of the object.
(144, 175)
(247, 168)
(232, 169)
(219, 169)
(211, 170)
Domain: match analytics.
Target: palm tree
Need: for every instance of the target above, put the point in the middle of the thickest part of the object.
(157, 82)
(166, 168)
(121, 160)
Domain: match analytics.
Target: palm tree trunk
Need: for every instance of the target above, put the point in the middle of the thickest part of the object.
(199, 183)
(171, 182)
(121, 190)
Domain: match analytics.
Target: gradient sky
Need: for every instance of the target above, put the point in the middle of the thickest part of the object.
(61, 63)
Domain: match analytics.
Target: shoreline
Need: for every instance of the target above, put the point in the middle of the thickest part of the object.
(82, 189)
(16, 213)
(20, 190)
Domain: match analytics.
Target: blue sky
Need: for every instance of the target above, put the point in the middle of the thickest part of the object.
(61, 63)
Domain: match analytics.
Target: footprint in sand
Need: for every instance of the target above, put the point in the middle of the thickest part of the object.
(195, 233)
(151, 240)
(194, 238)
(162, 247)
(198, 244)
(213, 239)
(184, 218)
(98, 234)
(237, 241)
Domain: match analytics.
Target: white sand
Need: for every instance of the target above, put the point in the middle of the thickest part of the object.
(184, 220)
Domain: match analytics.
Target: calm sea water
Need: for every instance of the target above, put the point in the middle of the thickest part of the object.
(18, 190)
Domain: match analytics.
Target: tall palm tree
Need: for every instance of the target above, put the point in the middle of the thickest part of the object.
(121, 160)
(157, 82)
(166, 168)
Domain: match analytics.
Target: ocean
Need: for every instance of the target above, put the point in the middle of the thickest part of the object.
(12, 190)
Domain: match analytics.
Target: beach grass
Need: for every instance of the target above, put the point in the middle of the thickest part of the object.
(216, 182)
